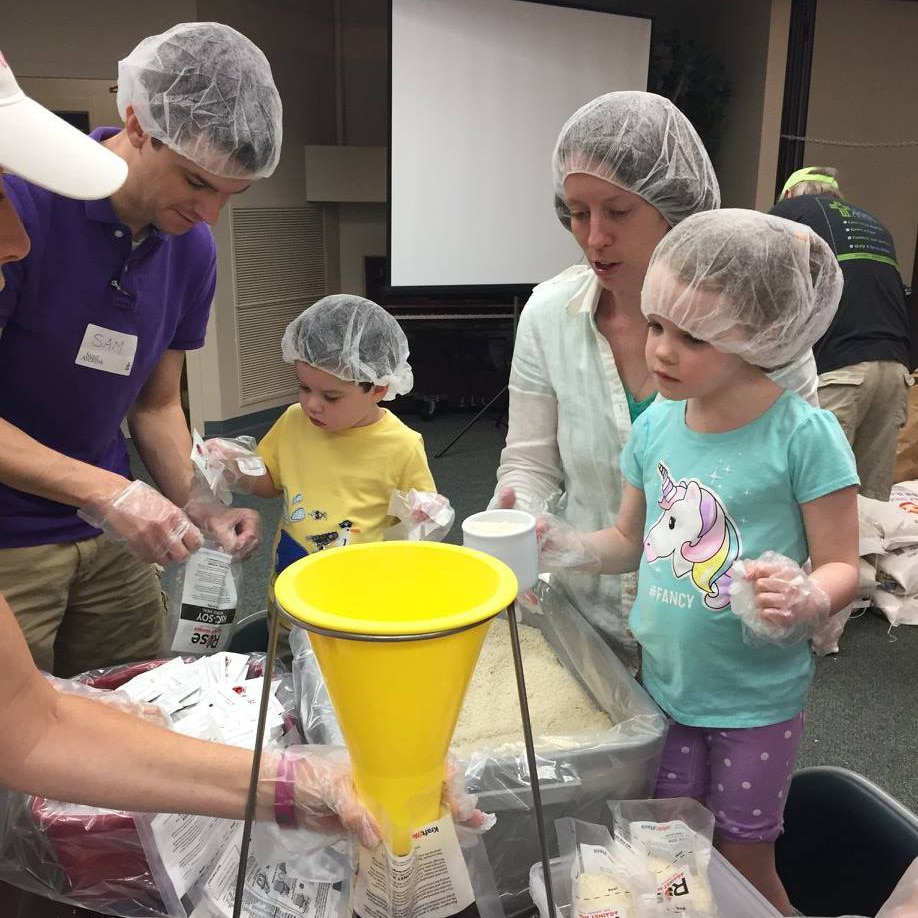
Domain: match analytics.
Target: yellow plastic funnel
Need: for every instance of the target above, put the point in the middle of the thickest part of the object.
(397, 628)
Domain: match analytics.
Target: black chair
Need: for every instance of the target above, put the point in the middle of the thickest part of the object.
(251, 634)
(846, 843)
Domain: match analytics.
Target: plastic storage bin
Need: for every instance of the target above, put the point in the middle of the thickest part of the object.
(845, 845)
(733, 895)
(576, 775)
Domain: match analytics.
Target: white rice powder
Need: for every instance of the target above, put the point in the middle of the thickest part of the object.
(558, 707)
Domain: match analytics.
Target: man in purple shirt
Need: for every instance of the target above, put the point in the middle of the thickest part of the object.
(95, 323)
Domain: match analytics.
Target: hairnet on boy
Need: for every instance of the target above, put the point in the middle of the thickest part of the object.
(353, 339)
(640, 142)
(748, 283)
(207, 92)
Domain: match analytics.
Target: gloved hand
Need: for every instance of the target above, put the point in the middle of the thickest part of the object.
(236, 529)
(152, 527)
(233, 465)
(562, 548)
(323, 797)
(777, 600)
(114, 699)
(424, 516)
(462, 805)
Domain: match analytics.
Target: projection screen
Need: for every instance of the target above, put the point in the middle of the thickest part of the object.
(479, 91)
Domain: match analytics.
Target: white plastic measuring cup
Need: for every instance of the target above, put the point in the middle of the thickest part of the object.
(508, 535)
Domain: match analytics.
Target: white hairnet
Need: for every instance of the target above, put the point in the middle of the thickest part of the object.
(206, 92)
(353, 339)
(640, 142)
(754, 285)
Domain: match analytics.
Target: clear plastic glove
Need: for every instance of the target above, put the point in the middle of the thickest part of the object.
(424, 516)
(236, 529)
(152, 527)
(114, 699)
(776, 600)
(462, 805)
(323, 795)
(233, 466)
(562, 548)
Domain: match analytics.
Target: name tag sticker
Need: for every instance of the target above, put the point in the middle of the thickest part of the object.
(107, 350)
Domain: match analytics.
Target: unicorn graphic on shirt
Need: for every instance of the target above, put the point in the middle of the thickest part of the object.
(698, 533)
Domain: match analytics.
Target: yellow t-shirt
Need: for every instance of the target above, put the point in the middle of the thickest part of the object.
(336, 484)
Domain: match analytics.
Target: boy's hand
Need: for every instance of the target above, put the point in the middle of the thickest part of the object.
(234, 463)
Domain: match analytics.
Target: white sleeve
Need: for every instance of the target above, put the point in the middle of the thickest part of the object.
(531, 461)
(800, 377)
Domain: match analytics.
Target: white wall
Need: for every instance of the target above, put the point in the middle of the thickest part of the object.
(865, 79)
(82, 38)
(298, 41)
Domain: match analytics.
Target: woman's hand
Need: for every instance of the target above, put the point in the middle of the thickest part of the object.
(506, 499)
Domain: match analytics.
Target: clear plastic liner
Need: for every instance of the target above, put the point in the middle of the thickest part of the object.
(577, 774)
(95, 858)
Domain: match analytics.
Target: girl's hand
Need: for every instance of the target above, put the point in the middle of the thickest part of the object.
(562, 548)
(785, 594)
(777, 601)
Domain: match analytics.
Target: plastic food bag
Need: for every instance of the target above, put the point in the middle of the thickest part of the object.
(674, 839)
(230, 464)
(603, 883)
(203, 600)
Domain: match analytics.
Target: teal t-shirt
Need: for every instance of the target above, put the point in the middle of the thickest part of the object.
(636, 408)
(712, 499)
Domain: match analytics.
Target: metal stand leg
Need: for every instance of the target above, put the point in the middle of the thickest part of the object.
(468, 426)
(256, 761)
(530, 756)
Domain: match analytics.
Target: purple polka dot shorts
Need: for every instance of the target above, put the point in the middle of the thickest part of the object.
(741, 774)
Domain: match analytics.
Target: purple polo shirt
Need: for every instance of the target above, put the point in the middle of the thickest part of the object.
(83, 270)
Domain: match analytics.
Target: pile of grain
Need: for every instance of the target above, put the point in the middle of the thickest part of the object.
(558, 706)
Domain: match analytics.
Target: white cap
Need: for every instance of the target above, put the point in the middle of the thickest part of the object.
(44, 149)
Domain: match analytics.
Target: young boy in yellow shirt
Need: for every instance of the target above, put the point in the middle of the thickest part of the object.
(337, 455)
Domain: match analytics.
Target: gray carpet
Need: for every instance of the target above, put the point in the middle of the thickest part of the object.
(862, 714)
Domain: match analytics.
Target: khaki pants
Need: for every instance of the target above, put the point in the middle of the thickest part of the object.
(83, 605)
(870, 401)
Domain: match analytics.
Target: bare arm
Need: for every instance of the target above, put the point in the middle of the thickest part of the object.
(263, 486)
(619, 547)
(29, 466)
(71, 748)
(160, 432)
(832, 534)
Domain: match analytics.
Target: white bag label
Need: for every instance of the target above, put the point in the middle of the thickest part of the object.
(107, 350)
(430, 882)
(208, 603)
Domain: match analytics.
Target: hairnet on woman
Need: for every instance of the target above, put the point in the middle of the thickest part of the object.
(627, 168)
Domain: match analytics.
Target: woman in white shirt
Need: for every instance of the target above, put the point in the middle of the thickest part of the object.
(627, 166)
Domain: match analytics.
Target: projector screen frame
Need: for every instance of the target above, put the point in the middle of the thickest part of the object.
(499, 294)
